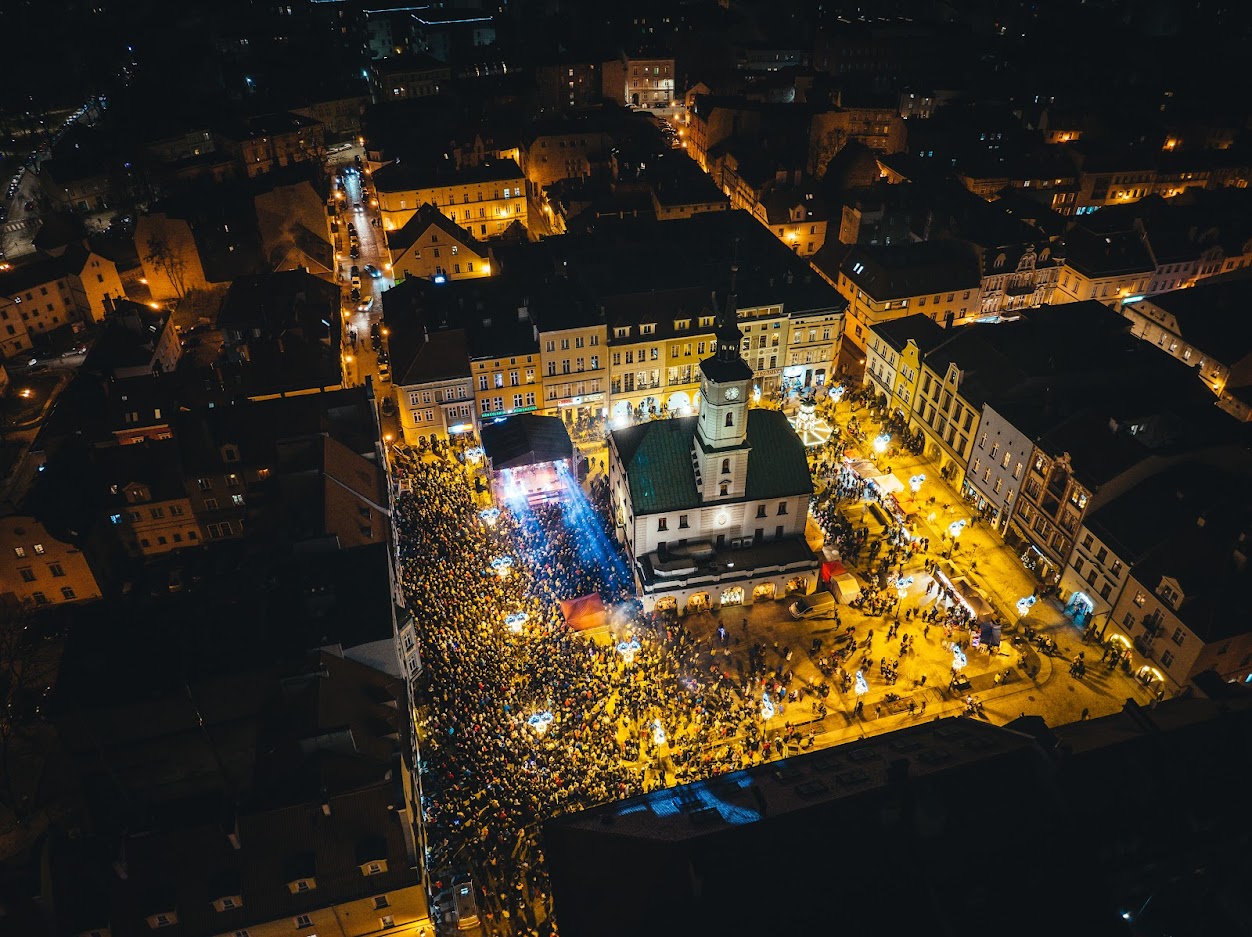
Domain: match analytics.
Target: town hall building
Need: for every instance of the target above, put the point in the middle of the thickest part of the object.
(712, 508)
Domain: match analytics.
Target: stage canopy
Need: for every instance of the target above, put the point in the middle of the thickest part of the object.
(585, 613)
(526, 439)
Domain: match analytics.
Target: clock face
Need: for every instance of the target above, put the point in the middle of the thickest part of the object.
(732, 393)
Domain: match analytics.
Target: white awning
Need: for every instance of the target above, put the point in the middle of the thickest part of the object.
(889, 484)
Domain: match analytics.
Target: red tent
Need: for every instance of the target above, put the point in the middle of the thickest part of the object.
(832, 569)
(584, 613)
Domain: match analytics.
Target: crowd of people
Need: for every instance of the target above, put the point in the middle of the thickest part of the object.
(520, 717)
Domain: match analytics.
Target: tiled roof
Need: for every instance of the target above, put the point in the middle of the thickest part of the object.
(426, 217)
(657, 459)
(914, 269)
(922, 329)
(1213, 315)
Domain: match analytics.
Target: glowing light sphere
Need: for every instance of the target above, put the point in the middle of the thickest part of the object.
(862, 685)
(541, 722)
(628, 649)
(515, 621)
(767, 706)
(658, 733)
(503, 565)
(958, 659)
(956, 527)
(837, 393)
(474, 455)
(489, 516)
(1024, 604)
(881, 443)
(915, 483)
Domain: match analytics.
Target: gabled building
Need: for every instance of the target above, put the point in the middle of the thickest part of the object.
(135, 341)
(430, 247)
(76, 286)
(149, 505)
(40, 568)
(894, 355)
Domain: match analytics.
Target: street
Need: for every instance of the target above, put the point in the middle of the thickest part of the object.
(360, 314)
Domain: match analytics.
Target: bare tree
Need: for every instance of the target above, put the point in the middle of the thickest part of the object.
(168, 261)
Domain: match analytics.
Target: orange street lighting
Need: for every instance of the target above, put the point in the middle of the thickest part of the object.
(26, 392)
(155, 305)
(143, 280)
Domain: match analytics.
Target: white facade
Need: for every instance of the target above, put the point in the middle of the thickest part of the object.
(1093, 579)
(997, 466)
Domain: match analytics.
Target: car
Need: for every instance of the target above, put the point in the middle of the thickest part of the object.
(373, 271)
(355, 252)
(367, 305)
(356, 294)
(388, 405)
(356, 271)
(356, 206)
(356, 282)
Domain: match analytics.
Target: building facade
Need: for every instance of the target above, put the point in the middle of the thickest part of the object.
(40, 569)
(483, 199)
(712, 508)
(997, 465)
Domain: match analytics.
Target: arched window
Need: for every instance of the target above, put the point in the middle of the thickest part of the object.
(724, 489)
(725, 466)
(730, 418)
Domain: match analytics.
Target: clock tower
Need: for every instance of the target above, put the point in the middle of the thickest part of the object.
(720, 449)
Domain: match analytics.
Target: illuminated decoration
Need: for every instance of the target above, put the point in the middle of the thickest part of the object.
(881, 443)
(767, 706)
(503, 565)
(915, 483)
(862, 685)
(440, 278)
(959, 659)
(1024, 605)
(628, 649)
(836, 393)
(902, 585)
(515, 621)
(812, 429)
(474, 455)
(489, 516)
(541, 722)
(722, 518)
(955, 528)
(756, 393)
(658, 733)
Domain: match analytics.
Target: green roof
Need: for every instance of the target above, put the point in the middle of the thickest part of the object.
(777, 464)
(657, 459)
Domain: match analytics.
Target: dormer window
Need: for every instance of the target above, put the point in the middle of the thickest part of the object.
(374, 868)
(302, 885)
(228, 903)
(1170, 593)
(647, 329)
(164, 919)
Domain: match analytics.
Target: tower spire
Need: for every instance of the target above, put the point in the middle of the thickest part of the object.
(729, 335)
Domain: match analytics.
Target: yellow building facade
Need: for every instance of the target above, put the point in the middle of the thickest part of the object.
(40, 569)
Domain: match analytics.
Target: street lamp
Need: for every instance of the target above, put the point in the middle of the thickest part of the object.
(881, 443)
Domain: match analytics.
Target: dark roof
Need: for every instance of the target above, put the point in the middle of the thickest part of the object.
(128, 338)
(155, 464)
(899, 271)
(1107, 255)
(443, 355)
(43, 269)
(922, 329)
(525, 439)
(428, 215)
(1158, 508)
(404, 176)
(1213, 315)
(656, 457)
(1209, 562)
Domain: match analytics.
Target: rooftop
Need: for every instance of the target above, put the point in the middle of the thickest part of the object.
(405, 176)
(526, 439)
(1212, 315)
(656, 458)
(901, 271)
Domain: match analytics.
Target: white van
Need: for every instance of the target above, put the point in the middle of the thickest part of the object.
(820, 604)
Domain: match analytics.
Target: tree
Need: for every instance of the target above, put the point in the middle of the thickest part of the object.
(168, 261)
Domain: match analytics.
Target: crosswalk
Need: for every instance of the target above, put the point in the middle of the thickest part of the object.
(15, 226)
